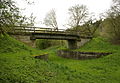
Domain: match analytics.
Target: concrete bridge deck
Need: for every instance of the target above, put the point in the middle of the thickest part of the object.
(56, 36)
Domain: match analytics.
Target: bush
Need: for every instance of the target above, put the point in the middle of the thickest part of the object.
(44, 43)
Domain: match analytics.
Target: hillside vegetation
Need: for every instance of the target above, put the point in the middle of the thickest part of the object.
(102, 70)
(19, 66)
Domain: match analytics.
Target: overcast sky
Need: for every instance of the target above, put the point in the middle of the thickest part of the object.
(41, 7)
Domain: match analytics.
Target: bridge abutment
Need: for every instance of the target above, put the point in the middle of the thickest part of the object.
(25, 39)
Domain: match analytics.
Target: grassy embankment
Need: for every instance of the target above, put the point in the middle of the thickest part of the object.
(18, 65)
(102, 70)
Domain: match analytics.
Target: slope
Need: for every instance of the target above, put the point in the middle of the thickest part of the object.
(17, 65)
(102, 70)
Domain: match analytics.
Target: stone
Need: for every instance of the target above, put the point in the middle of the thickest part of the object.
(43, 57)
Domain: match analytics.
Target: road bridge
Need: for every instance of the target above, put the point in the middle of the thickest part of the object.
(34, 33)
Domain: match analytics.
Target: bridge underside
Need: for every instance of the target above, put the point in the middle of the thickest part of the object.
(53, 36)
(71, 39)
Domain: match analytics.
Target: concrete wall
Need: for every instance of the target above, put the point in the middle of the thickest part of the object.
(80, 55)
(82, 42)
(74, 44)
(25, 39)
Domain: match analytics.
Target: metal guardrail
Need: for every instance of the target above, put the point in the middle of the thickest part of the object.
(23, 29)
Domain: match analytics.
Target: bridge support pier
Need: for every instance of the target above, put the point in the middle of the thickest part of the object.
(72, 44)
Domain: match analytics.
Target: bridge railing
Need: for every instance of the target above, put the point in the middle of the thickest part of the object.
(23, 29)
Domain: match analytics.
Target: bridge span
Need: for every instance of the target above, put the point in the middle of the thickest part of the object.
(34, 33)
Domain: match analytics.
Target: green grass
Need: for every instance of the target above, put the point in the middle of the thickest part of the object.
(17, 64)
(102, 70)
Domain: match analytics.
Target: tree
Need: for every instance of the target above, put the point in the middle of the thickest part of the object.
(111, 25)
(114, 19)
(30, 20)
(78, 14)
(9, 15)
(116, 6)
(88, 29)
(91, 27)
(50, 19)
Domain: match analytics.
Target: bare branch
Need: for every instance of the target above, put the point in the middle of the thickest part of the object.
(50, 19)
(77, 15)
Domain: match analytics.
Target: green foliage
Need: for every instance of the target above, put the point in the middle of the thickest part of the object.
(102, 70)
(111, 28)
(111, 25)
(18, 66)
(89, 29)
(9, 14)
(101, 45)
(42, 43)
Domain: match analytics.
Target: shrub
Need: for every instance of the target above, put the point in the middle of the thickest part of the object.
(42, 43)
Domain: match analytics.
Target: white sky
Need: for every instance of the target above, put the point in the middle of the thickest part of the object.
(41, 7)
